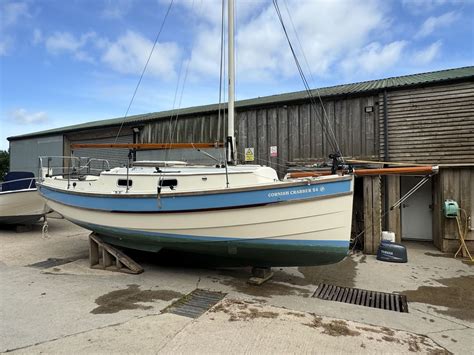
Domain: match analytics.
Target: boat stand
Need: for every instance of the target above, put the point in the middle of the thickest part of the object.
(260, 275)
(106, 257)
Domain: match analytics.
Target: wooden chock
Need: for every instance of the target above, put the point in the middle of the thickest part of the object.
(106, 257)
(260, 275)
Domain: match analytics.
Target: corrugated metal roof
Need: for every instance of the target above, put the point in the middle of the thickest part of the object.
(339, 90)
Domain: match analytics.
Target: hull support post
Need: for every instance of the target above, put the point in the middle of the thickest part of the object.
(260, 275)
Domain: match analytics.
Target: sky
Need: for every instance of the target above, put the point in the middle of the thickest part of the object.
(68, 62)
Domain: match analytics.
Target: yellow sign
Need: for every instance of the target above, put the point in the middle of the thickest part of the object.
(249, 154)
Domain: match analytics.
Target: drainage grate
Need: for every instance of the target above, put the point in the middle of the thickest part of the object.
(51, 262)
(374, 299)
(195, 303)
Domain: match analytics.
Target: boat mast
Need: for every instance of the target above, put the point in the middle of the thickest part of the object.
(230, 114)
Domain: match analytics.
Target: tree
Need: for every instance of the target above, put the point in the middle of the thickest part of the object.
(4, 163)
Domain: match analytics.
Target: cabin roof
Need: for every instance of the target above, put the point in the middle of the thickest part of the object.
(399, 82)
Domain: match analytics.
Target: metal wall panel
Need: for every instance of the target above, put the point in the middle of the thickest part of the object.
(116, 157)
(24, 153)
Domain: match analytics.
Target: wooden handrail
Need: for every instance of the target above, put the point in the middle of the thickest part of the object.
(371, 172)
(147, 146)
(397, 171)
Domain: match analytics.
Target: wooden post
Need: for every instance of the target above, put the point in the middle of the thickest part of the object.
(372, 214)
(393, 217)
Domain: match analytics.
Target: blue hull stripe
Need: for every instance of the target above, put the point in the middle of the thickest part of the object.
(123, 203)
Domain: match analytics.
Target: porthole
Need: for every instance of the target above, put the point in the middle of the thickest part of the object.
(123, 182)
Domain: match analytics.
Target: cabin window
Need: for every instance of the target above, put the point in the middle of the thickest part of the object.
(123, 182)
(172, 183)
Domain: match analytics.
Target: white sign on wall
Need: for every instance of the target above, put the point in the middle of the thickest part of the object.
(273, 151)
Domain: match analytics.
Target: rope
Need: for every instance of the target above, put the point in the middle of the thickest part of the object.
(144, 69)
(462, 236)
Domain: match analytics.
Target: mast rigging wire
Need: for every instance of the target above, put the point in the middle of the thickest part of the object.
(326, 127)
(325, 115)
(144, 69)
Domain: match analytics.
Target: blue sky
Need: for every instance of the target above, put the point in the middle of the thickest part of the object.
(67, 62)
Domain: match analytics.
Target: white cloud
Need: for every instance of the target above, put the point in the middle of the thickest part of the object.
(374, 58)
(22, 116)
(433, 23)
(327, 30)
(12, 12)
(5, 44)
(37, 36)
(116, 9)
(427, 54)
(128, 54)
(10, 15)
(210, 10)
(67, 42)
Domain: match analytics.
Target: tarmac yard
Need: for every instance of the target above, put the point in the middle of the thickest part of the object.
(52, 302)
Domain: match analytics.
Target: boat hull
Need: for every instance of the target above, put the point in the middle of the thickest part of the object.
(313, 229)
(21, 206)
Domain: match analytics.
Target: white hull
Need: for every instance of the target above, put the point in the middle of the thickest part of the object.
(21, 206)
(320, 219)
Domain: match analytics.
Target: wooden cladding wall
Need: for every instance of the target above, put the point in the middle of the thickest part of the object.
(295, 130)
(298, 133)
(430, 125)
(455, 184)
(188, 129)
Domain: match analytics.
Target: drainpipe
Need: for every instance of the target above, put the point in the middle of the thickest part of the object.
(386, 156)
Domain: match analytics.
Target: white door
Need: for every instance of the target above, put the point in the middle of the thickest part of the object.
(417, 212)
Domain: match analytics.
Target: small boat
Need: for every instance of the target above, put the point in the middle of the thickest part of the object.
(241, 212)
(20, 202)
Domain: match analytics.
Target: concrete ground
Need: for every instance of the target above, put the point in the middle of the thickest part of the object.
(72, 308)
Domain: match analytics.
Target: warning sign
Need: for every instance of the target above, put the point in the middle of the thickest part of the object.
(273, 151)
(249, 154)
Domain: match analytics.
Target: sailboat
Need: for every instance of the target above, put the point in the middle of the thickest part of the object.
(241, 212)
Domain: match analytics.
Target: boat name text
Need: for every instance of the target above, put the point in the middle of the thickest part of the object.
(297, 192)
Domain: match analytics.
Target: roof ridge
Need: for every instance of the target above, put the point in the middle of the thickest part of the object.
(341, 89)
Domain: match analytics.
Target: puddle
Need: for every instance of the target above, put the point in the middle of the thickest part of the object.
(340, 274)
(457, 296)
(239, 278)
(438, 255)
(130, 298)
(451, 256)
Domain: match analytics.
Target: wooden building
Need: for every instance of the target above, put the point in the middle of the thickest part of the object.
(425, 118)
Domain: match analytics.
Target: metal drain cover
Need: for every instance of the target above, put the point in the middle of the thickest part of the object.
(374, 299)
(195, 303)
(51, 262)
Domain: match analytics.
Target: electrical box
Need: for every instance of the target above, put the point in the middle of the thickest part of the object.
(450, 209)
